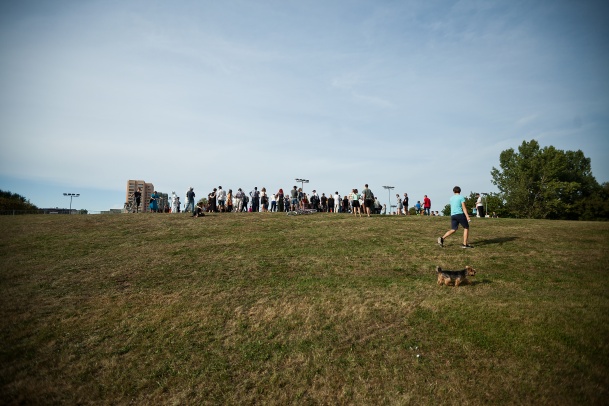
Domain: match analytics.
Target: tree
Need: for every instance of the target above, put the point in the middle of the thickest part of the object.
(13, 201)
(544, 183)
(596, 206)
(494, 203)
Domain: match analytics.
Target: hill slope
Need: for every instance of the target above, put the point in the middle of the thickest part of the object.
(269, 309)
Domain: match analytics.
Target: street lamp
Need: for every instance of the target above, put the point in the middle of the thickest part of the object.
(389, 189)
(71, 196)
(302, 182)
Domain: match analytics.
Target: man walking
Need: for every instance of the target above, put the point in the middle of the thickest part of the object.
(458, 215)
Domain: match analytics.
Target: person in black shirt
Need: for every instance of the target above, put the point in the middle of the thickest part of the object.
(137, 198)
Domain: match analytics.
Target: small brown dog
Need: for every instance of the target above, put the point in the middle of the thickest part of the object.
(455, 277)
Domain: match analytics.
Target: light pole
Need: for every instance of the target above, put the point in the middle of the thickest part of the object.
(389, 189)
(302, 182)
(71, 196)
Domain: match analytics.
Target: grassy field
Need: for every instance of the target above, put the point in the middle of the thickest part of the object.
(320, 309)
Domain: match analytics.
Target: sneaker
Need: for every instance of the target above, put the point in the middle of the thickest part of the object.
(441, 241)
(466, 246)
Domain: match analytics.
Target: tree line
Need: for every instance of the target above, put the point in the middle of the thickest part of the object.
(14, 201)
(548, 183)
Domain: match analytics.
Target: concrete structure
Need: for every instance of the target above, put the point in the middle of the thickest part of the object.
(147, 190)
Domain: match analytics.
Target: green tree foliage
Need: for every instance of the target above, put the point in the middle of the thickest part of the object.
(13, 201)
(547, 183)
(493, 203)
(596, 206)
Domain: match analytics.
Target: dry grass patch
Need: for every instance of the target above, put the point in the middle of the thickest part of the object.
(321, 309)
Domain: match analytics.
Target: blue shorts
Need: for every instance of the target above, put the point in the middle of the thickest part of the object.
(457, 219)
(295, 202)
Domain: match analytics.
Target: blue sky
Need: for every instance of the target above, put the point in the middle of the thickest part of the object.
(418, 95)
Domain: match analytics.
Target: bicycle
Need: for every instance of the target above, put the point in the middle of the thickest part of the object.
(301, 211)
(130, 207)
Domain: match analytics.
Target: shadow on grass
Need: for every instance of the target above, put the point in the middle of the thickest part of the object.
(499, 240)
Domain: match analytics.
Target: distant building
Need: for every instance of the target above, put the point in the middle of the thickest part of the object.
(147, 190)
(163, 201)
(55, 210)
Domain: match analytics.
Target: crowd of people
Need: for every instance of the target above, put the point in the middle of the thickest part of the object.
(358, 203)
(220, 200)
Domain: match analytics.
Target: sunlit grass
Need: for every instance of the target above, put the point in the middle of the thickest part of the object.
(319, 309)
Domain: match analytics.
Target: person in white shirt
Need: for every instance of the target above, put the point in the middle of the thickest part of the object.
(479, 206)
(336, 202)
(239, 200)
(175, 202)
(264, 199)
(221, 197)
(355, 204)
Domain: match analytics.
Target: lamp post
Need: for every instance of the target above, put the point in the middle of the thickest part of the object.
(302, 182)
(71, 196)
(389, 189)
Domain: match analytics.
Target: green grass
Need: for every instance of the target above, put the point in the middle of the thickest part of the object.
(320, 309)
